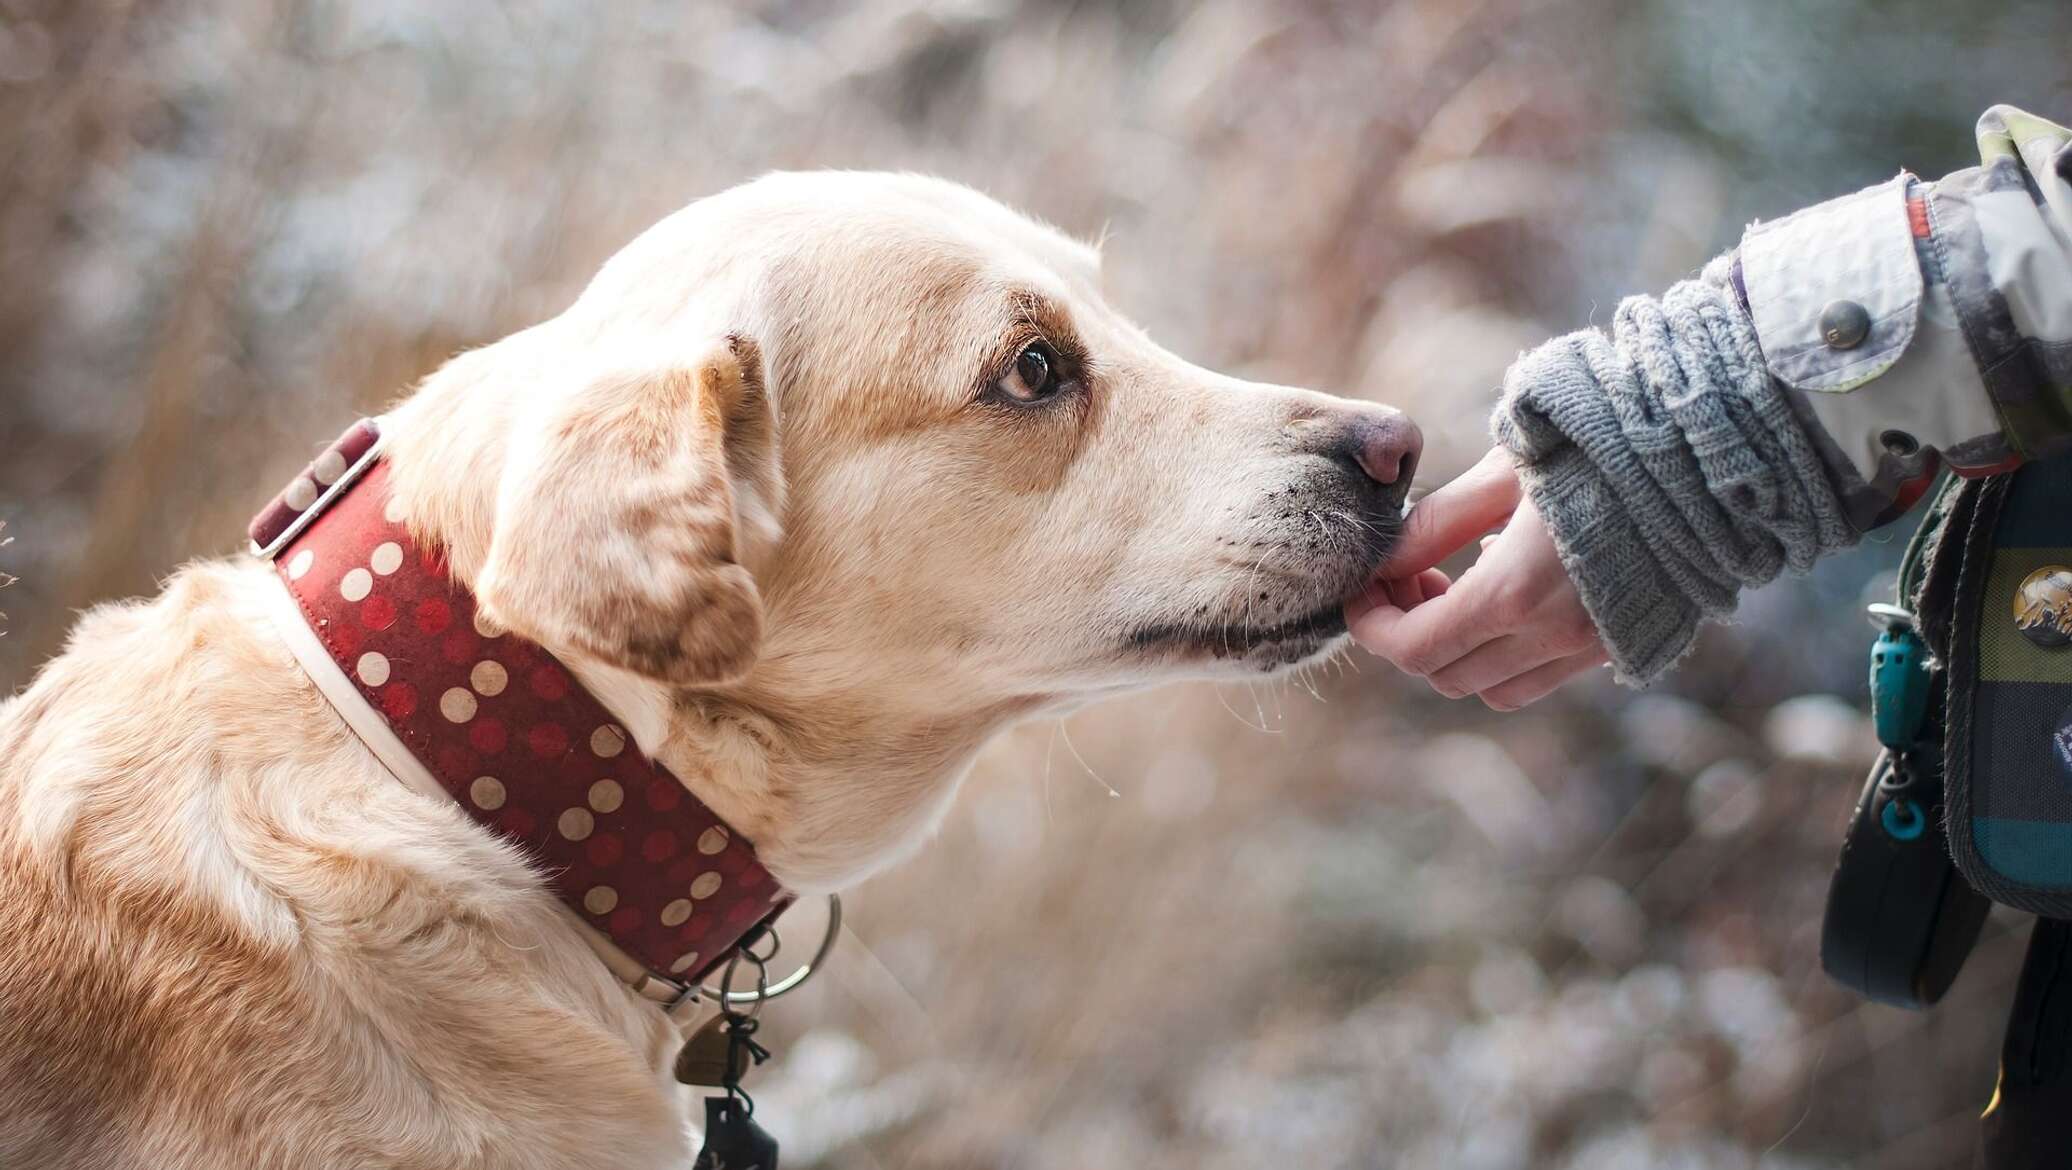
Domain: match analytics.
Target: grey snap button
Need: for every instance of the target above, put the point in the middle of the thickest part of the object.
(1844, 324)
(1900, 443)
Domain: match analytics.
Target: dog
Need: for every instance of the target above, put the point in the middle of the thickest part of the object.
(821, 482)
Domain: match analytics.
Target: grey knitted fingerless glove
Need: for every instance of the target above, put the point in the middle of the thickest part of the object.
(1670, 469)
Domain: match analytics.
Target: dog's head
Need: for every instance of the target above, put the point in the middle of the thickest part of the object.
(878, 435)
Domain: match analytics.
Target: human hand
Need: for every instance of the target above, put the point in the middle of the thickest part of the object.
(1511, 630)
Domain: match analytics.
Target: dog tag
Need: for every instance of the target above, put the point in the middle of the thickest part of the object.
(710, 1058)
(733, 1141)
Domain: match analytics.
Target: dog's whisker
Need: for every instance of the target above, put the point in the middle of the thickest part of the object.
(1049, 752)
(1074, 749)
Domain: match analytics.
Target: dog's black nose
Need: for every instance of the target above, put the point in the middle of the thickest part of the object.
(1384, 445)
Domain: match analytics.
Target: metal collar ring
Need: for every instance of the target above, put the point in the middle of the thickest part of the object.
(725, 996)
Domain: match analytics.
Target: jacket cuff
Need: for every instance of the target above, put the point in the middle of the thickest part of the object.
(1802, 270)
(1856, 321)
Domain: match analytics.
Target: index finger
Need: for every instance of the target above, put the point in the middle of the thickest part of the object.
(1444, 522)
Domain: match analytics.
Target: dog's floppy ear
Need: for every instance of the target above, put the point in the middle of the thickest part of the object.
(619, 517)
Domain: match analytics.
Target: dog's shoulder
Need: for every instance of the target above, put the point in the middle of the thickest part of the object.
(227, 936)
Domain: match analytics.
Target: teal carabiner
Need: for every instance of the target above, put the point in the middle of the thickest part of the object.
(1899, 678)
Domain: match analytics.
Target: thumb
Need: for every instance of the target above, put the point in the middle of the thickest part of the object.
(1442, 523)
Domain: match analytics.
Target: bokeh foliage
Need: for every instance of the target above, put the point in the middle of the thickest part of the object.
(1338, 923)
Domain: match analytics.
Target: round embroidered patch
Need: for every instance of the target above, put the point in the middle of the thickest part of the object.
(2043, 606)
(2061, 741)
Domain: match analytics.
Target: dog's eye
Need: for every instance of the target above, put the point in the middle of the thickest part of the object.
(1034, 376)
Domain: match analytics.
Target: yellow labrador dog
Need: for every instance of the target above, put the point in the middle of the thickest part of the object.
(820, 483)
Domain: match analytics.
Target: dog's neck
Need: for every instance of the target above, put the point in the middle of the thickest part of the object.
(835, 774)
(832, 780)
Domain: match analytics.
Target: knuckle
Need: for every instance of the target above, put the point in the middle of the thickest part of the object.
(1506, 606)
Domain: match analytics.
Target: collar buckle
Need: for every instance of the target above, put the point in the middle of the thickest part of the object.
(674, 998)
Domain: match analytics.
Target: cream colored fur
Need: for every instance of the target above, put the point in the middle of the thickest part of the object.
(756, 487)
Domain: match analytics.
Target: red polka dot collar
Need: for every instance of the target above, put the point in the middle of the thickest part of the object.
(497, 724)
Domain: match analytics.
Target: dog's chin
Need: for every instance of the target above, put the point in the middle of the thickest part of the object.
(1252, 646)
(1301, 625)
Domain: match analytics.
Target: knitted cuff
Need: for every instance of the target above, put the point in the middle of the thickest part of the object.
(1646, 621)
(1670, 468)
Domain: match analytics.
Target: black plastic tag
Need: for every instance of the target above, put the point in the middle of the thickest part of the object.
(733, 1141)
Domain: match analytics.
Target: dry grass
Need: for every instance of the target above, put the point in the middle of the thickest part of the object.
(5, 579)
(1333, 923)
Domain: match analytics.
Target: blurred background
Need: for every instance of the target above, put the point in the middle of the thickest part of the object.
(1336, 923)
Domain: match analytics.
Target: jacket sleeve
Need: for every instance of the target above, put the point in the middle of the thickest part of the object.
(1802, 389)
(1916, 320)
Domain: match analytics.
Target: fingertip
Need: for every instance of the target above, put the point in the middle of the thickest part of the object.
(1371, 627)
(1357, 605)
(1413, 591)
(1377, 593)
